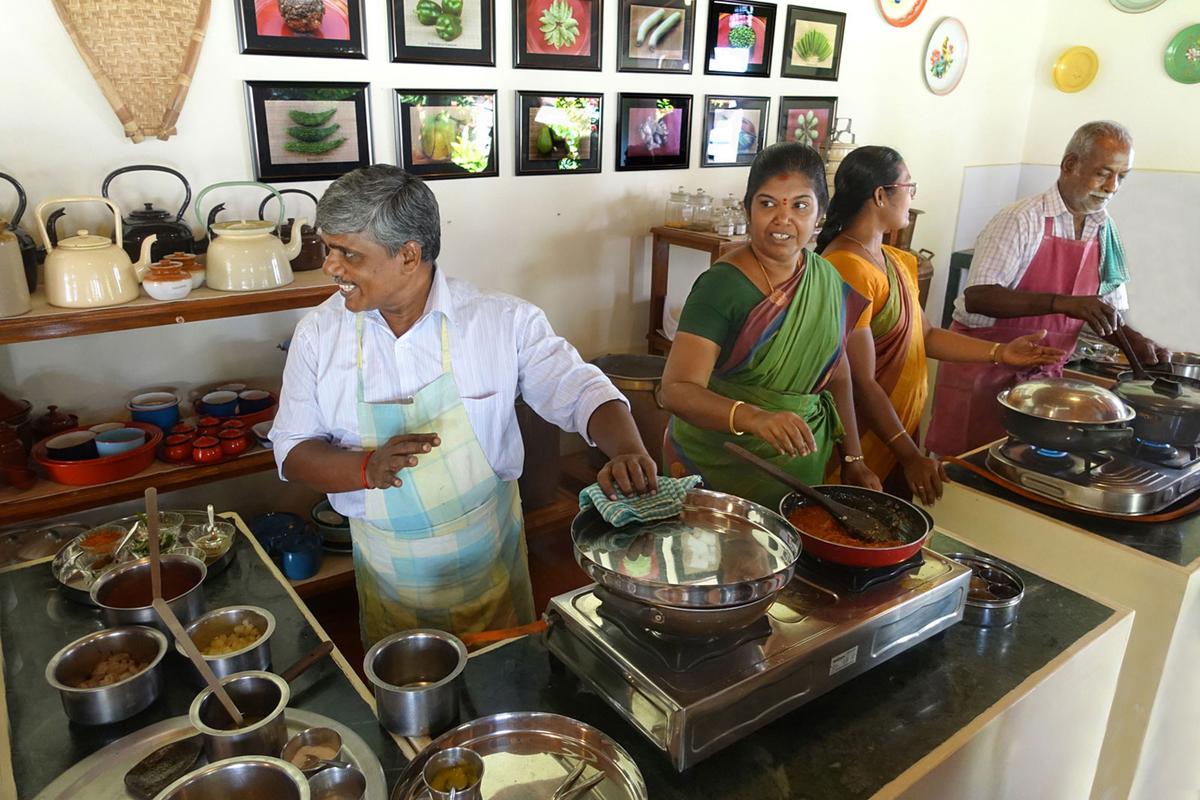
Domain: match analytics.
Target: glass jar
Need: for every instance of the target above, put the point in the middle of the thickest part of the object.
(723, 220)
(677, 202)
(739, 219)
(702, 206)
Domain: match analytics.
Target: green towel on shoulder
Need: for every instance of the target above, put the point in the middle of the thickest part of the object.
(1113, 272)
(666, 503)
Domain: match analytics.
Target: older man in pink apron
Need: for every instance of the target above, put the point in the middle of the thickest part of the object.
(1052, 263)
(398, 401)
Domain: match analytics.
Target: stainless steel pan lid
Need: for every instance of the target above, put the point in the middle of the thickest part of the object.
(720, 551)
(1066, 400)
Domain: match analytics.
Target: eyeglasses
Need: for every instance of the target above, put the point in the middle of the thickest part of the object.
(912, 187)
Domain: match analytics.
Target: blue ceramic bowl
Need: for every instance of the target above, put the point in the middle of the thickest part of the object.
(119, 440)
(269, 528)
(220, 404)
(253, 400)
(162, 417)
(299, 556)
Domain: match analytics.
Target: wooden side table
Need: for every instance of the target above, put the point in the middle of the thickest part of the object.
(713, 244)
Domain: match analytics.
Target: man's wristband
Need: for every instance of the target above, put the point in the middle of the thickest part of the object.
(366, 459)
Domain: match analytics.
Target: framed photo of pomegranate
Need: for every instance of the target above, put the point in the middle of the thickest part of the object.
(325, 28)
(447, 133)
(739, 39)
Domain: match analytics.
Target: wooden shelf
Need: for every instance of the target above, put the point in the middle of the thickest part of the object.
(663, 237)
(49, 499)
(337, 570)
(45, 321)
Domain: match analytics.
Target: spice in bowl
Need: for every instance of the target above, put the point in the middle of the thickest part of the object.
(213, 539)
(242, 636)
(103, 540)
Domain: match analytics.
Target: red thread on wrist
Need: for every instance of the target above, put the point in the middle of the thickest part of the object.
(366, 459)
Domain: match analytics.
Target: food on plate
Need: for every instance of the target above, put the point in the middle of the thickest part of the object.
(242, 636)
(816, 521)
(302, 16)
(558, 25)
(100, 541)
(111, 669)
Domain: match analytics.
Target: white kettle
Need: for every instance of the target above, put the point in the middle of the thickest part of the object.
(87, 270)
(246, 255)
(14, 289)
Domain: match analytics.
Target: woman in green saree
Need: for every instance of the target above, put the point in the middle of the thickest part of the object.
(761, 346)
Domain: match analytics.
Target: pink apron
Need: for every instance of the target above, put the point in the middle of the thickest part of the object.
(965, 412)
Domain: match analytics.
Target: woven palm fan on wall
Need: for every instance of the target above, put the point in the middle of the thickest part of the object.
(142, 53)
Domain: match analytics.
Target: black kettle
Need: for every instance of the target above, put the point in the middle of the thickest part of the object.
(174, 236)
(312, 250)
(30, 254)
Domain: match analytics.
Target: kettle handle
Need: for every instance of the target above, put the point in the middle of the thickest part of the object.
(207, 189)
(187, 189)
(41, 222)
(21, 200)
(267, 199)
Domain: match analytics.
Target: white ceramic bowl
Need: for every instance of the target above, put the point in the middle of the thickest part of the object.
(262, 432)
(197, 278)
(151, 400)
(105, 426)
(168, 290)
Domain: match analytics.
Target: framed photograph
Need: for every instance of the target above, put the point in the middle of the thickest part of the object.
(306, 130)
(447, 133)
(655, 35)
(739, 38)
(558, 134)
(812, 43)
(557, 34)
(653, 131)
(328, 28)
(806, 119)
(735, 129)
(443, 31)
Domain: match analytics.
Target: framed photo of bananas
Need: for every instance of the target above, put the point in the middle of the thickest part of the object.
(443, 31)
(557, 34)
(558, 134)
(306, 130)
(655, 35)
(329, 28)
(739, 38)
(447, 133)
(812, 43)
(653, 131)
(735, 129)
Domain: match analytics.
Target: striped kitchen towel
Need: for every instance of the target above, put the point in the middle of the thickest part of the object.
(666, 503)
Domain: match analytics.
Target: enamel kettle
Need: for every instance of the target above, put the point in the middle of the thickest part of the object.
(247, 255)
(88, 270)
(174, 236)
(14, 291)
(312, 248)
(29, 251)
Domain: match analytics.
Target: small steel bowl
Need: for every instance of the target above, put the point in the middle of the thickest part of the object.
(326, 737)
(245, 776)
(341, 783)
(417, 676)
(994, 592)
(117, 701)
(262, 695)
(255, 656)
(186, 606)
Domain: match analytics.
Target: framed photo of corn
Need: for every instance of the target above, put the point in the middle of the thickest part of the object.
(655, 35)
(739, 38)
(443, 31)
(812, 44)
(329, 28)
(447, 133)
(308, 131)
(557, 34)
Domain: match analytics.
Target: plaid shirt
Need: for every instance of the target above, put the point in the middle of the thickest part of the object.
(1009, 242)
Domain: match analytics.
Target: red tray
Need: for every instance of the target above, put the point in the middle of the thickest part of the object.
(93, 471)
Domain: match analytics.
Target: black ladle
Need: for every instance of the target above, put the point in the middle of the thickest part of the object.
(1160, 385)
(860, 524)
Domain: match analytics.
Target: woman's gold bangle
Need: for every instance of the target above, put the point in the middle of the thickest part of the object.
(992, 355)
(896, 435)
(733, 410)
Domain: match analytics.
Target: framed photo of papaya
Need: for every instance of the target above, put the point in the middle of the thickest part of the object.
(558, 134)
(806, 119)
(735, 129)
(328, 28)
(739, 38)
(557, 34)
(443, 31)
(653, 131)
(812, 43)
(447, 133)
(308, 131)
(655, 35)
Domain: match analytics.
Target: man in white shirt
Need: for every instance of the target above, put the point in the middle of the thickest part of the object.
(398, 401)
(1048, 263)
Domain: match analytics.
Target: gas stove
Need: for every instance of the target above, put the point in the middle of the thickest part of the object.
(1141, 479)
(693, 697)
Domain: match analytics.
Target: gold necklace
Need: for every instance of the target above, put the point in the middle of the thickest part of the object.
(866, 249)
(766, 277)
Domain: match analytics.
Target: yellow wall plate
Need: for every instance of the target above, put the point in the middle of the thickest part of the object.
(1076, 68)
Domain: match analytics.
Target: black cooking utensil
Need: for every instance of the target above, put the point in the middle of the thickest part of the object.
(860, 525)
(1160, 385)
(158, 770)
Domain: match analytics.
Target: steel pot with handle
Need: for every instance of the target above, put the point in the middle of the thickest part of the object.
(909, 523)
(1065, 414)
(312, 247)
(174, 236)
(247, 255)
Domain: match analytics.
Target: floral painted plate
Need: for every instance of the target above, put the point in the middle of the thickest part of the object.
(1136, 6)
(1182, 56)
(945, 56)
(1076, 68)
(901, 12)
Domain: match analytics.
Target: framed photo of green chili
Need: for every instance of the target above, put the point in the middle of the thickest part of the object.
(806, 119)
(558, 134)
(739, 38)
(655, 35)
(443, 31)
(307, 130)
(447, 133)
(557, 34)
(735, 129)
(812, 43)
(653, 131)
(328, 28)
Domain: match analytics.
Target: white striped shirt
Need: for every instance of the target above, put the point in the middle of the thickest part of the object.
(500, 346)
(1008, 243)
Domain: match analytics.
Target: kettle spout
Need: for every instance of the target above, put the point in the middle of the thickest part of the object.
(297, 241)
(143, 263)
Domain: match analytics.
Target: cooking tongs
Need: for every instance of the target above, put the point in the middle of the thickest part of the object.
(568, 790)
(1160, 385)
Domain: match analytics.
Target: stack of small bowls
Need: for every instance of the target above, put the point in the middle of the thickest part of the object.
(209, 441)
(240, 401)
(167, 280)
(155, 408)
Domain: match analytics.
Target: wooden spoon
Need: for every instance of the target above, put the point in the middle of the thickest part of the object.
(860, 524)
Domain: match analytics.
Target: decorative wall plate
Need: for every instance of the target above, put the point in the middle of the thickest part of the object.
(1076, 68)
(901, 12)
(1136, 6)
(945, 56)
(1182, 56)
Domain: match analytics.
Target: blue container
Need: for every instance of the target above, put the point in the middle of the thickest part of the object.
(299, 556)
(119, 440)
(163, 417)
(273, 526)
(220, 404)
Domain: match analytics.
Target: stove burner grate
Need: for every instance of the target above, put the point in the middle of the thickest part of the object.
(682, 653)
(854, 579)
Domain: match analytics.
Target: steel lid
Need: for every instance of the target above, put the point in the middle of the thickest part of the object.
(1145, 395)
(1066, 400)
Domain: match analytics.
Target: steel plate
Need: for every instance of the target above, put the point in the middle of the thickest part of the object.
(527, 755)
(101, 776)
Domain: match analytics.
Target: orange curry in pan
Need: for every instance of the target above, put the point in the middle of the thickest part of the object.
(816, 521)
